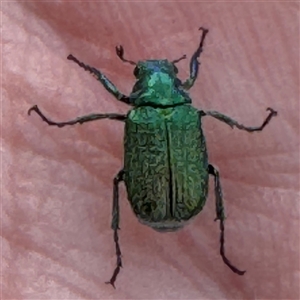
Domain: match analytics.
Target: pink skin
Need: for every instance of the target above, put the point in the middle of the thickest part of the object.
(57, 183)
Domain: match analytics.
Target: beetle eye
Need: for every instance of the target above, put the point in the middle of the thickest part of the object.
(175, 69)
(136, 71)
(178, 82)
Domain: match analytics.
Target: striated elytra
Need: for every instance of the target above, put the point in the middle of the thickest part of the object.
(166, 166)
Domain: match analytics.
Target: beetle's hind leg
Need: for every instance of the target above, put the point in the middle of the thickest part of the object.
(221, 217)
(115, 226)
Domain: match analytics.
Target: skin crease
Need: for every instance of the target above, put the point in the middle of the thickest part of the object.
(57, 183)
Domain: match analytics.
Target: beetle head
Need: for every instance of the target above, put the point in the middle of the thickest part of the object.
(157, 85)
(149, 67)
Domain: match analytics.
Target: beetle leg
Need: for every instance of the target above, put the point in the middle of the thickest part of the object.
(80, 120)
(233, 123)
(115, 226)
(109, 86)
(194, 63)
(221, 217)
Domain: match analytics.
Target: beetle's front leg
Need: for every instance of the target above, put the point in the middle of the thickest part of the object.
(115, 226)
(109, 86)
(80, 120)
(232, 123)
(221, 217)
(194, 63)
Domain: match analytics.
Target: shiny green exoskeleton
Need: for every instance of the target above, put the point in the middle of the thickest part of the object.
(166, 167)
(166, 182)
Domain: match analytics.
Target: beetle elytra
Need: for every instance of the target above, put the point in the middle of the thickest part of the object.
(166, 166)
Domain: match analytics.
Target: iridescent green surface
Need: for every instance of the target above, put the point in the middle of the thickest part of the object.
(166, 166)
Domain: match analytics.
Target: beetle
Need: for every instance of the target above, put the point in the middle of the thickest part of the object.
(166, 167)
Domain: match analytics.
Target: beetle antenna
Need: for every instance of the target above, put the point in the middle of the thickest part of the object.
(179, 59)
(120, 53)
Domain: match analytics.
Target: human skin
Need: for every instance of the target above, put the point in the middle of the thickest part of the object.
(57, 183)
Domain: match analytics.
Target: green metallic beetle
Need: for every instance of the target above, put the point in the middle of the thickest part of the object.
(166, 166)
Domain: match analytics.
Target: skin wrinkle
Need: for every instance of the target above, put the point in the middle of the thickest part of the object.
(56, 238)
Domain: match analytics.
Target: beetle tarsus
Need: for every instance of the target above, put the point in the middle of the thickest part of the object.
(80, 120)
(83, 65)
(115, 226)
(194, 63)
(273, 112)
(221, 216)
(34, 107)
(116, 272)
(120, 51)
(233, 123)
(204, 33)
(43, 117)
(222, 251)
